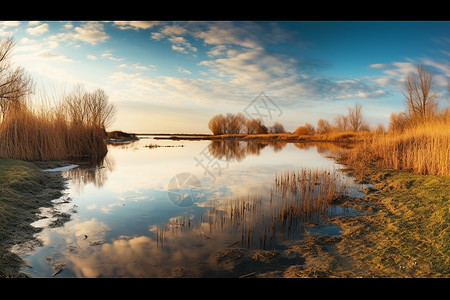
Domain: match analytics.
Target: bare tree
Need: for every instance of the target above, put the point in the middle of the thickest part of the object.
(323, 126)
(255, 126)
(398, 122)
(419, 97)
(217, 124)
(15, 84)
(235, 123)
(92, 109)
(102, 113)
(310, 128)
(341, 123)
(277, 128)
(355, 117)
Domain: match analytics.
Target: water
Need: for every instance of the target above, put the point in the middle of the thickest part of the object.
(167, 211)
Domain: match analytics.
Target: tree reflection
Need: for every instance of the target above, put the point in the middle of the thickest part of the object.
(93, 171)
(234, 150)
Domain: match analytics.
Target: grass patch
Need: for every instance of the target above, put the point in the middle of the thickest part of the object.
(410, 234)
(23, 190)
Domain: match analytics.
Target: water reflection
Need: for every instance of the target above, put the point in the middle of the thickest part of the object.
(125, 224)
(93, 171)
(297, 199)
(232, 150)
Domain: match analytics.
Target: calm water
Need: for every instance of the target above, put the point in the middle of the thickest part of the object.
(167, 211)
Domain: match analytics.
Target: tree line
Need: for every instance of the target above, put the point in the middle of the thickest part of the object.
(239, 123)
(421, 107)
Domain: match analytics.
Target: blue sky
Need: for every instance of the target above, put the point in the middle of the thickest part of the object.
(174, 76)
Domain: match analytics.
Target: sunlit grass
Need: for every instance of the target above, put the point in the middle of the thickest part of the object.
(422, 149)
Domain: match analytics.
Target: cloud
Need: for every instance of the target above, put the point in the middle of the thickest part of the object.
(136, 25)
(138, 67)
(10, 23)
(38, 30)
(89, 32)
(173, 33)
(242, 34)
(109, 56)
(396, 72)
(183, 70)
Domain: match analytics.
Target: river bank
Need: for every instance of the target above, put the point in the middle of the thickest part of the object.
(24, 190)
(403, 232)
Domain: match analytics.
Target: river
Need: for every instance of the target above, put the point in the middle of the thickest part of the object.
(162, 208)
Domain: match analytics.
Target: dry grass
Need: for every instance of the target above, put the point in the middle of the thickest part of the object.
(54, 130)
(38, 137)
(422, 149)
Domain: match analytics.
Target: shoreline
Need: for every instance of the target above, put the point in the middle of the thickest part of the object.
(25, 189)
(344, 137)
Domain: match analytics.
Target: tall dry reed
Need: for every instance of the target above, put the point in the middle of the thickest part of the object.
(50, 129)
(34, 137)
(421, 149)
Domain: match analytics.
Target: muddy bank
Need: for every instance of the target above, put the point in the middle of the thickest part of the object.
(24, 190)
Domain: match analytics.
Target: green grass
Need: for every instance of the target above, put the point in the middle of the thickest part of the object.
(23, 190)
(410, 234)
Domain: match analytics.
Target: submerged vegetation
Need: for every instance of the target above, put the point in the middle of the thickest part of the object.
(297, 200)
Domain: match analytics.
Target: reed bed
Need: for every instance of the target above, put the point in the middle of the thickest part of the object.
(36, 137)
(297, 198)
(70, 127)
(422, 149)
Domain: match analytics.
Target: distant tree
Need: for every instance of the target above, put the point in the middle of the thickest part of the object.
(419, 97)
(301, 130)
(277, 128)
(398, 122)
(235, 123)
(310, 128)
(323, 126)
(355, 117)
(380, 129)
(341, 123)
(255, 126)
(217, 124)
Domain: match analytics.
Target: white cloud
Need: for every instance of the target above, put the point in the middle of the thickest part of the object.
(91, 57)
(10, 23)
(444, 67)
(183, 70)
(138, 67)
(157, 36)
(109, 56)
(136, 25)
(38, 30)
(89, 32)
(230, 33)
(173, 30)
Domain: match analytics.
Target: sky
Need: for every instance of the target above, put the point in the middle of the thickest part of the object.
(173, 76)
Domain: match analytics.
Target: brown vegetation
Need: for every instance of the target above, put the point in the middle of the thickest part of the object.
(74, 127)
(418, 140)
